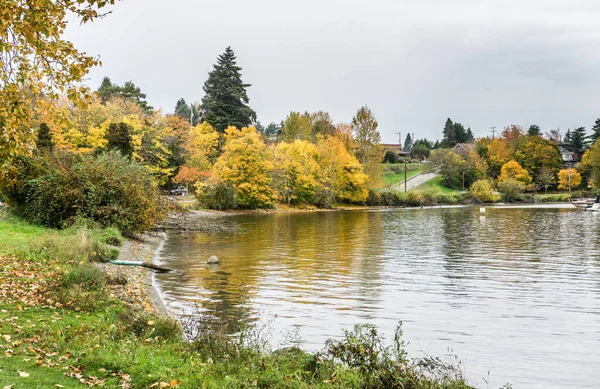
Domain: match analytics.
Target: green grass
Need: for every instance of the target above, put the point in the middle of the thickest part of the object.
(394, 173)
(16, 233)
(60, 324)
(436, 184)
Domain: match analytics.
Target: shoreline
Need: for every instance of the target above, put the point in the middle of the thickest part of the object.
(138, 292)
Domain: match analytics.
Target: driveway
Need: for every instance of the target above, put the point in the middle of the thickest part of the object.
(414, 181)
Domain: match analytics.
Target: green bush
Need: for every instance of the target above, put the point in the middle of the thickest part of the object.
(220, 196)
(56, 189)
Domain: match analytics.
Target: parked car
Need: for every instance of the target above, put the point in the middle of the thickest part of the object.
(179, 191)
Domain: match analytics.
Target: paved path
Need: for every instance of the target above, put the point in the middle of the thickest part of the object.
(413, 182)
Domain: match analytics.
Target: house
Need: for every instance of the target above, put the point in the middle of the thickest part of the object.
(570, 154)
(396, 148)
(464, 148)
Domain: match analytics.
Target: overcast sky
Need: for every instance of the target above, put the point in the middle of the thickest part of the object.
(414, 63)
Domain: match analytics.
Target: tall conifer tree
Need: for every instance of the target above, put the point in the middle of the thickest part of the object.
(595, 135)
(578, 138)
(226, 102)
(183, 110)
(449, 139)
(408, 143)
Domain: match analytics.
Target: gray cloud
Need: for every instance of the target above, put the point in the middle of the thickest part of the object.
(484, 63)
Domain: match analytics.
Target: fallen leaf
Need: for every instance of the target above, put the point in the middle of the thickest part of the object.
(174, 383)
(23, 374)
(9, 386)
(150, 322)
(153, 385)
(58, 385)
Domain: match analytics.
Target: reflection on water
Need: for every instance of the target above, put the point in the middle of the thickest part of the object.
(514, 291)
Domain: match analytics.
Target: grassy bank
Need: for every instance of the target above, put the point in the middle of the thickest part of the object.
(62, 324)
(393, 173)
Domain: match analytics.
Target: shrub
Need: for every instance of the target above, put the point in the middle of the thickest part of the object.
(144, 325)
(56, 189)
(483, 191)
(87, 276)
(511, 188)
(220, 196)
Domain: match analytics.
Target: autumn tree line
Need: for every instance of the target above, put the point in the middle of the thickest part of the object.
(216, 148)
(517, 160)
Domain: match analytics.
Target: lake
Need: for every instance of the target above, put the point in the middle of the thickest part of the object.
(514, 293)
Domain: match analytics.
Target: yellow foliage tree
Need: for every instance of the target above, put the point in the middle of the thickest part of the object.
(513, 170)
(590, 164)
(297, 126)
(246, 165)
(201, 146)
(341, 176)
(565, 182)
(36, 61)
(296, 171)
(499, 153)
(344, 132)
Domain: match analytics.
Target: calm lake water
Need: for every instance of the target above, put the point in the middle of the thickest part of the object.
(515, 294)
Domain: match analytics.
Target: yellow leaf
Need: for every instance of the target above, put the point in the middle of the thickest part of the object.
(174, 383)
(23, 374)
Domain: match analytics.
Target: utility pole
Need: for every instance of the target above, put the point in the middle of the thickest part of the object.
(404, 175)
(493, 132)
(399, 139)
(191, 114)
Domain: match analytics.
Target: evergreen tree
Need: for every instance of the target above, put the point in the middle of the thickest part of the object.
(595, 135)
(578, 138)
(567, 138)
(534, 130)
(132, 92)
(449, 139)
(470, 136)
(106, 90)
(422, 148)
(407, 143)
(183, 110)
(119, 138)
(272, 129)
(44, 138)
(226, 102)
(460, 133)
(259, 127)
(128, 91)
(437, 144)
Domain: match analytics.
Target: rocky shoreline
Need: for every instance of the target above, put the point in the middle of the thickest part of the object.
(133, 284)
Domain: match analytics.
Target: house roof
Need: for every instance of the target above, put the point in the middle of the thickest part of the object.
(464, 147)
